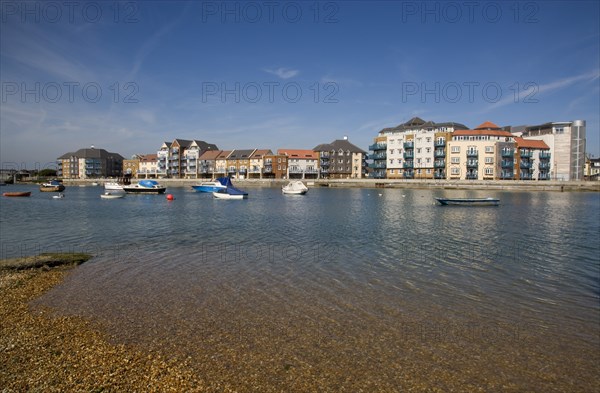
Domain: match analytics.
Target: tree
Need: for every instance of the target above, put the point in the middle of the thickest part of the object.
(47, 172)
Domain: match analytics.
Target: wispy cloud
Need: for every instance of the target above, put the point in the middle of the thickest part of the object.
(283, 73)
(546, 88)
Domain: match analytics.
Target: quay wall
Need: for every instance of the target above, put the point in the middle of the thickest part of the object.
(515, 185)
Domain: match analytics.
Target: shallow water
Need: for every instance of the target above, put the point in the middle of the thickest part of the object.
(339, 289)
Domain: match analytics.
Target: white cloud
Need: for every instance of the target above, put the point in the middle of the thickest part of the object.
(283, 73)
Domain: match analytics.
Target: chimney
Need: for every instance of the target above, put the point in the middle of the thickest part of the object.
(345, 137)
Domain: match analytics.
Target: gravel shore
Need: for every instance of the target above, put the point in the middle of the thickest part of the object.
(43, 352)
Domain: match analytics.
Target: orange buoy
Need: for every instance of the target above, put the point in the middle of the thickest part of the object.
(170, 197)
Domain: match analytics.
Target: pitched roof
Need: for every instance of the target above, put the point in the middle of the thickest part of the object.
(148, 157)
(224, 154)
(239, 154)
(210, 155)
(92, 153)
(482, 132)
(260, 153)
(488, 125)
(298, 153)
(205, 146)
(338, 144)
(531, 143)
(416, 123)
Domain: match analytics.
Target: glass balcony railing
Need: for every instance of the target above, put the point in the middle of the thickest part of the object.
(472, 163)
(408, 164)
(544, 165)
(508, 153)
(440, 143)
(409, 145)
(378, 146)
(472, 153)
(439, 153)
(408, 154)
(526, 153)
(439, 164)
(525, 165)
(507, 164)
(544, 155)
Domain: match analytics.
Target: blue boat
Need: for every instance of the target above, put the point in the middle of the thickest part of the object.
(229, 192)
(210, 186)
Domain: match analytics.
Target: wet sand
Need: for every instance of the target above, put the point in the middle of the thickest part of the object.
(272, 350)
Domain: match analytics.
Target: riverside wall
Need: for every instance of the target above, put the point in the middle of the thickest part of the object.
(515, 185)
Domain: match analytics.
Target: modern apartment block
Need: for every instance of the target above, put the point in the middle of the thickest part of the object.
(566, 141)
(90, 163)
(341, 159)
(484, 153)
(533, 159)
(302, 164)
(179, 159)
(275, 166)
(415, 149)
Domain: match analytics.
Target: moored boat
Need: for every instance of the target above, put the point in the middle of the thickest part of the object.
(145, 187)
(113, 186)
(210, 186)
(17, 194)
(229, 192)
(52, 186)
(112, 195)
(295, 188)
(59, 196)
(469, 201)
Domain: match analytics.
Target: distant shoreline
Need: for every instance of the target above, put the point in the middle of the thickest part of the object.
(512, 185)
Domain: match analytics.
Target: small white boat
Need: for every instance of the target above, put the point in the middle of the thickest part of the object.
(113, 186)
(95, 184)
(226, 195)
(112, 195)
(295, 188)
(59, 196)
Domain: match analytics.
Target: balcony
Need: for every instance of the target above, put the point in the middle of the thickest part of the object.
(506, 175)
(408, 154)
(242, 171)
(408, 164)
(472, 163)
(525, 165)
(544, 176)
(378, 165)
(378, 146)
(507, 164)
(439, 153)
(379, 156)
(439, 175)
(377, 175)
(526, 176)
(409, 174)
(324, 163)
(268, 169)
(440, 143)
(471, 176)
(231, 170)
(295, 169)
(472, 153)
(507, 153)
(544, 165)
(439, 164)
(526, 153)
(544, 155)
(409, 145)
(174, 157)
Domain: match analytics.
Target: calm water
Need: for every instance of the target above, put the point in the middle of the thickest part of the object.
(338, 278)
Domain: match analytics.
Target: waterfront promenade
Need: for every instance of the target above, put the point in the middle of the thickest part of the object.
(515, 185)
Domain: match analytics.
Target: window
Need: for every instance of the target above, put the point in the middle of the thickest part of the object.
(391, 171)
(418, 160)
(489, 171)
(279, 160)
(455, 160)
(418, 150)
(428, 140)
(455, 171)
(489, 160)
(391, 151)
(391, 161)
(418, 171)
(489, 149)
(428, 149)
(455, 149)
(278, 167)
(428, 160)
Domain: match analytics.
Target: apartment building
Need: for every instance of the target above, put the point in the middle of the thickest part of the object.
(221, 163)
(415, 149)
(89, 163)
(275, 166)
(484, 153)
(257, 163)
(179, 159)
(148, 166)
(341, 159)
(532, 159)
(302, 164)
(566, 141)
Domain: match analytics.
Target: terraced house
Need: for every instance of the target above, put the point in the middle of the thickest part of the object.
(180, 158)
(415, 149)
(302, 164)
(341, 159)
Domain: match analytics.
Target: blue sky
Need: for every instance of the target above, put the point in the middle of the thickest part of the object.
(126, 76)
